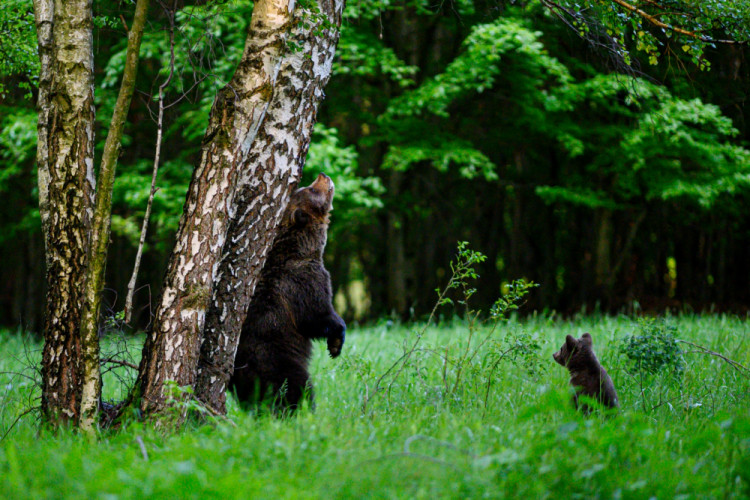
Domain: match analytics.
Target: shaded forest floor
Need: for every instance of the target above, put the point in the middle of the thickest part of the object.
(488, 416)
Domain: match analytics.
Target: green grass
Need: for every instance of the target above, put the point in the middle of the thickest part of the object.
(685, 435)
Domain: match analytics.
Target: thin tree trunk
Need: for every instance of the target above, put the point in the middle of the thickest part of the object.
(172, 347)
(154, 171)
(603, 249)
(396, 254)
(65, 153)
(626, 249)
(520, 252)
(603, 279)
(264, 186)
(97, 257)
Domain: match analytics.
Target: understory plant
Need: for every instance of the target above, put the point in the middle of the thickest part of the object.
(660, 373)
(469, 362)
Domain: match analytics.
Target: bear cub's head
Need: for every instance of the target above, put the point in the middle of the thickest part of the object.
(305, 220)
(576, 354)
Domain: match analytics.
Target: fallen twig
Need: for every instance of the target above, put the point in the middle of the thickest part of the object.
(139, 440)
(119, 362)
(426, 458)
(703, 350)
(18, 418)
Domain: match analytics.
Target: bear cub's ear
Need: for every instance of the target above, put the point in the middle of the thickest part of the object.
(571, 342)
(586, 339)
(300, 217)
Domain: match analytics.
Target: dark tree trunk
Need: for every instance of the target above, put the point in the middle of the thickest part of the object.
(396, 256)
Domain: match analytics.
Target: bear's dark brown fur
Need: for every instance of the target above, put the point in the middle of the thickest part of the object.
(587, 375)
(290, 307)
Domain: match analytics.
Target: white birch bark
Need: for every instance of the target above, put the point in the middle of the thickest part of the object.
(66, 187)
(171, 350)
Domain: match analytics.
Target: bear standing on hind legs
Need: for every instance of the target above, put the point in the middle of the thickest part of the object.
(291, 306)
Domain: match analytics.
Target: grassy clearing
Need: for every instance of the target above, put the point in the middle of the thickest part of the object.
(437, 431)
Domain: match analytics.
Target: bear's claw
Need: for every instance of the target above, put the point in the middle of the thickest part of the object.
(336, 335)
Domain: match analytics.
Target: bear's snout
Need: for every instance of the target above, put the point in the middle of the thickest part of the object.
(323, 183)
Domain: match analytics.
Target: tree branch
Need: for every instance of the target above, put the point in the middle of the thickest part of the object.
(659, 24)
(703, 350)
(159, 130)
(18, 418)
(119, 362)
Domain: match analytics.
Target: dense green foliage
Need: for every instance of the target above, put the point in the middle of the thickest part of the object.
(500, 127)
(649, 26)
(653, 146)
(423, 439)
(569, 161)
(18, 56)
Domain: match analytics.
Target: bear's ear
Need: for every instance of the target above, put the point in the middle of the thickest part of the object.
(571, 343)
(300, 217)
(586, 339)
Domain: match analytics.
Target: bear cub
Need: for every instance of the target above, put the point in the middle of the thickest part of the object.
(587, 375)
(291, 306)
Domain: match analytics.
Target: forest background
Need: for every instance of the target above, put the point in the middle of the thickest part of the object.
(612, 181)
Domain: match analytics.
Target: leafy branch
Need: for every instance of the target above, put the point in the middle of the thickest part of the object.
(659, 24)
(462, 269)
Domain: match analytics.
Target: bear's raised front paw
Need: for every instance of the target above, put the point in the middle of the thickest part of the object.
(336, 330)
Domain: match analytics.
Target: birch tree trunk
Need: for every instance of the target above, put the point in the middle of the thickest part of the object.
(97, 257)
(263, 190)
(65, 153)
(172, 346)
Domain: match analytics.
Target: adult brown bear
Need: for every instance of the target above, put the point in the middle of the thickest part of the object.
(291, 306)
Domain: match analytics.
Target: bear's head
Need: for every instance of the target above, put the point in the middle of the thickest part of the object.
(304, 224)
(312, 202)
(576, 354)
